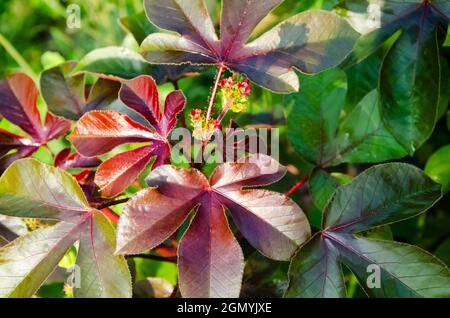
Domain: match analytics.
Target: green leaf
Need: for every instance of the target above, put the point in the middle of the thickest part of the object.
(438, 167)
(444, 96)
(29, 188)
(379, 196)
(410, 84)
(363, 78)
(70, 97)
(443, 251)
(362, 136)
(123, 63)
(325, 135)
(315, 271)
(138, 25)
(322, 186)
(447, 39)
(115, 61)
(315, 113)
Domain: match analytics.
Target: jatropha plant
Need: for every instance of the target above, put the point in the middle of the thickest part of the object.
(116, 189)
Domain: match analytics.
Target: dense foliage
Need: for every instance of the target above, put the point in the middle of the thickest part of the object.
(101, 197)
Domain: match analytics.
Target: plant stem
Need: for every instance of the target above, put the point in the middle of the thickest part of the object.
(155, 258)
(16, 56)
(111, 215)
(296, 186)
(214, 91)
(111, 203)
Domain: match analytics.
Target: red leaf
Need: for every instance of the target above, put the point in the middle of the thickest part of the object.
(141, 95)
(117, 173)
(174, 104)
(18, 97)
(270, 221)
(10, 141)
(309, 41)
(65, 160)
(148, 225)
(98, 132)
(210, 260)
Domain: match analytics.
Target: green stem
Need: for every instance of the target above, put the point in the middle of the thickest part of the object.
(16, 56)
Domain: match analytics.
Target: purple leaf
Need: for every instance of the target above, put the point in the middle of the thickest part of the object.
(309, 41)
(270, 221)
(100, 132)
(210, 260)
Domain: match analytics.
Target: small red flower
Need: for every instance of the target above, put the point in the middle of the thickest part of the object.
(245, 87)
(226, 83)
(196, 114)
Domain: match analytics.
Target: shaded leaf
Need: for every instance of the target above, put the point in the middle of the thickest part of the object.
(410, 85)
(322, 134)
(380, 195)
(138, 25)
(66, 160)
(438, 167)
(122, 63)
(67, 95)
(18, 104)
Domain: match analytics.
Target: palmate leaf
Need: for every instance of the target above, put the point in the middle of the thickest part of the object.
(18, 104)
(381, 195)
(324, 137)
(410, 81)
(310, 41)
(210, 261)
(99, 132)
(31, 189)
(67, 95)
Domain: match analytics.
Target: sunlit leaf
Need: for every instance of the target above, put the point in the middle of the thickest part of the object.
(210, 259)
(31, 189)
(310, 41)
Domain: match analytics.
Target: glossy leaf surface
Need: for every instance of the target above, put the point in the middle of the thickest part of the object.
(380, 195)
(271, 222)
(296, 42)
(32, 189)
(99, 132)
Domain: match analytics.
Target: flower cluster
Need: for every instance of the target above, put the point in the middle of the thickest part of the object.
(203, 128)
(235, 94)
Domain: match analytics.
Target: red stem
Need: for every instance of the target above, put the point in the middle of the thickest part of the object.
(296, 186)
(214, 92)
(111, 215)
